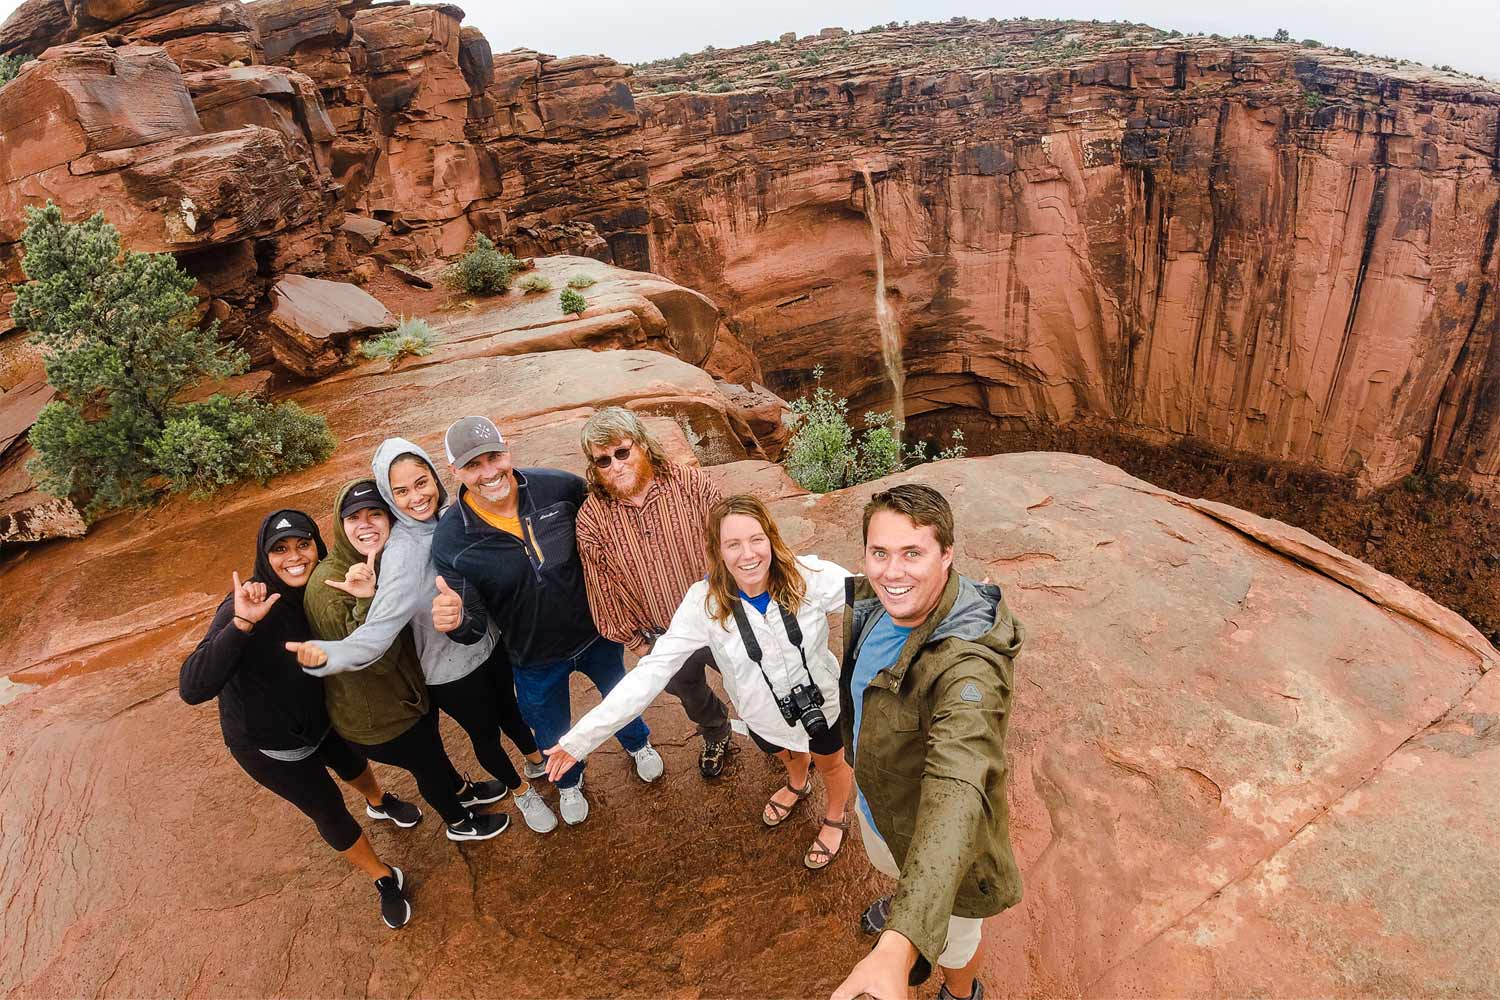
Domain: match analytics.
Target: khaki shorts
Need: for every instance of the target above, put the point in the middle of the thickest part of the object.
(963, 932)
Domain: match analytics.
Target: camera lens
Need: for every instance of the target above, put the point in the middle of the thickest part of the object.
(813, 721)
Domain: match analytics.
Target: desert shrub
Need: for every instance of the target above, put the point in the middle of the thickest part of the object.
(535, 283)
(1282, 35)
(120, 342)
(1312, 99)
(581, 281)
(572, 302)
(224, 440)
(412, 337)
(483, 270)
(825, 454)
(10, 66)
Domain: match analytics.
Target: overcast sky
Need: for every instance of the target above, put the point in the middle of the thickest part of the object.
(1463, 33)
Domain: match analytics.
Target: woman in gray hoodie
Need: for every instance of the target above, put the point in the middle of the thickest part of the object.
(473, 684)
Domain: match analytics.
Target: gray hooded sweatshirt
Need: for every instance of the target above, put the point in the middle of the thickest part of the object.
(404, 591)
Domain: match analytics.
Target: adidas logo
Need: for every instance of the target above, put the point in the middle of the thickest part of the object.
(283, 523)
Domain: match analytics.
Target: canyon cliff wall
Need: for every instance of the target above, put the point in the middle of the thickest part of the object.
(1269, 250)
(1276, 250)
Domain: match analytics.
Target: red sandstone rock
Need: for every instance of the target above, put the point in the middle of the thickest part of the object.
(1230, 773)
(316, 321)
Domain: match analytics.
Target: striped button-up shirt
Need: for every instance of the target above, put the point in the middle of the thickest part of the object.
(638, 562)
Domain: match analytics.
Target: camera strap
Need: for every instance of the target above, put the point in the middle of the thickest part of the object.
(752, 645)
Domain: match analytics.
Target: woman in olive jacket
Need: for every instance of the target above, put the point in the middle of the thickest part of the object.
(383, 709)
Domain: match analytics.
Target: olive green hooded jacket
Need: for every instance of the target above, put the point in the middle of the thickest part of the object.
(386, 698)
(931, 756)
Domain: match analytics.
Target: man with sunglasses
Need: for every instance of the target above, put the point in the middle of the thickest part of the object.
(506, 551)
(640, 535)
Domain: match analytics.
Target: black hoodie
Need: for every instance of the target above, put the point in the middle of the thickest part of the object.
(266, 701)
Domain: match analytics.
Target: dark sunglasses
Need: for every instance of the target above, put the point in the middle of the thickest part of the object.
(620, 454)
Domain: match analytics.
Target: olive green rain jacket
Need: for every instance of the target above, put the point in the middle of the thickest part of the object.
(386, 698)
(931, 756)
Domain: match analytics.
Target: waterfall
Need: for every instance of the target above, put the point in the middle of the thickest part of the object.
(890, 330)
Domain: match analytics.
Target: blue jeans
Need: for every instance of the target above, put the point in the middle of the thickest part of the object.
(542, 693)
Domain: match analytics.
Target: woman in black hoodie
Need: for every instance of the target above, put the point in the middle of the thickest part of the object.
(272, 713)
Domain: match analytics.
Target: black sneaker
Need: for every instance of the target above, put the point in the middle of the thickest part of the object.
(479, 826)
(395, 908)
(872, 921)
(404, 814)
(711, 760)
(481, 793)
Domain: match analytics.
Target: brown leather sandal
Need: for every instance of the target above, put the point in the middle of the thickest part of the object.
(781, 812)
(818, 856)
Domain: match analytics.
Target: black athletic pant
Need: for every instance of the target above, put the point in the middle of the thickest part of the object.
(484, 707)
(420, 751)
(306, 785)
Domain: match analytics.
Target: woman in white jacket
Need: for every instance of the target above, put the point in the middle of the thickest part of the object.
(777, 669)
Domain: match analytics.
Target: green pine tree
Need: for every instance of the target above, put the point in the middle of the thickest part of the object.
(121, 342)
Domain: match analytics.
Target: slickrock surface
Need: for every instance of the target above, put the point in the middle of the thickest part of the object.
(1232, 773)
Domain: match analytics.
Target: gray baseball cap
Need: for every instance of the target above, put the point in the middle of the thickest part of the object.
(469, 437)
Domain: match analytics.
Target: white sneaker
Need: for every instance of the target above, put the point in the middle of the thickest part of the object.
(573, 806)
(537, 814)
(534, 772)
(648, 763)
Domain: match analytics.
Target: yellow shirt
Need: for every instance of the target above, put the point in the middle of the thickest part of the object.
(510, 525)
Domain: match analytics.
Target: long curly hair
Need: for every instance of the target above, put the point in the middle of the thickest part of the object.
(787, 585)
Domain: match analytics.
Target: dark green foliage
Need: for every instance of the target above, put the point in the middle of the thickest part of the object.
(572, 302)
(1312, 43)
(1312, 99)
(1282, 35)
(120, 341)
(483, 270)
(223, 440)
(10, 66)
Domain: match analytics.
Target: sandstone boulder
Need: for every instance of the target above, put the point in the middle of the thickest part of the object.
(316, 321)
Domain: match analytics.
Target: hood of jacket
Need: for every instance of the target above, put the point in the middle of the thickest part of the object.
(966, 610)
(385, 456)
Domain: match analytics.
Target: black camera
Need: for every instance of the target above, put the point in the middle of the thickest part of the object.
(802, 704)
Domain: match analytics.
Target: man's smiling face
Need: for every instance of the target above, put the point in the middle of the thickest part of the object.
(907, 566)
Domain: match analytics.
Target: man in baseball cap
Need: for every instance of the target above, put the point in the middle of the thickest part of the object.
(507, 550)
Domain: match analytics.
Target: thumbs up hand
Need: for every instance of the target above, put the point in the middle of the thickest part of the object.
(359, 580)
(447, 608)
(308, 654)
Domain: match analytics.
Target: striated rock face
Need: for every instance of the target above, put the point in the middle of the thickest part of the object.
(1267, 249)
(1241, 762)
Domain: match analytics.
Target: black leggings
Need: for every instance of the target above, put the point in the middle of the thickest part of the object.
(483, 702)
(420, 751)
(306, 785)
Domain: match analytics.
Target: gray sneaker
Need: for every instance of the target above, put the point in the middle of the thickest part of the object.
(978, 993)
(537, 814)
(648, 763)
(534, 772)
(573, 806)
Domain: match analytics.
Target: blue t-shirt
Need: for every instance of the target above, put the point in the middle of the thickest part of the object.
(881, 649)
(760, 602)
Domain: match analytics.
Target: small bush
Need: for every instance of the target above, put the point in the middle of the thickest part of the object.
(535, 283)
(483, 270)
(10, 66)
(581, 281)
(223, 440)
(1282, 35)
(412, 338)
(1312, 99)
(121, 343)
(824, 453)
(572, 302)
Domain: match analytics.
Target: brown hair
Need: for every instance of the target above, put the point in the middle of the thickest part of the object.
(786, 584)
(919, 504)
(611, 424)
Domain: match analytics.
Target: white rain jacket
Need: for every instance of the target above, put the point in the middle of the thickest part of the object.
(692, 628)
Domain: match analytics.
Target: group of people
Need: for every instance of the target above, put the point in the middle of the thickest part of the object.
(484, 607)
